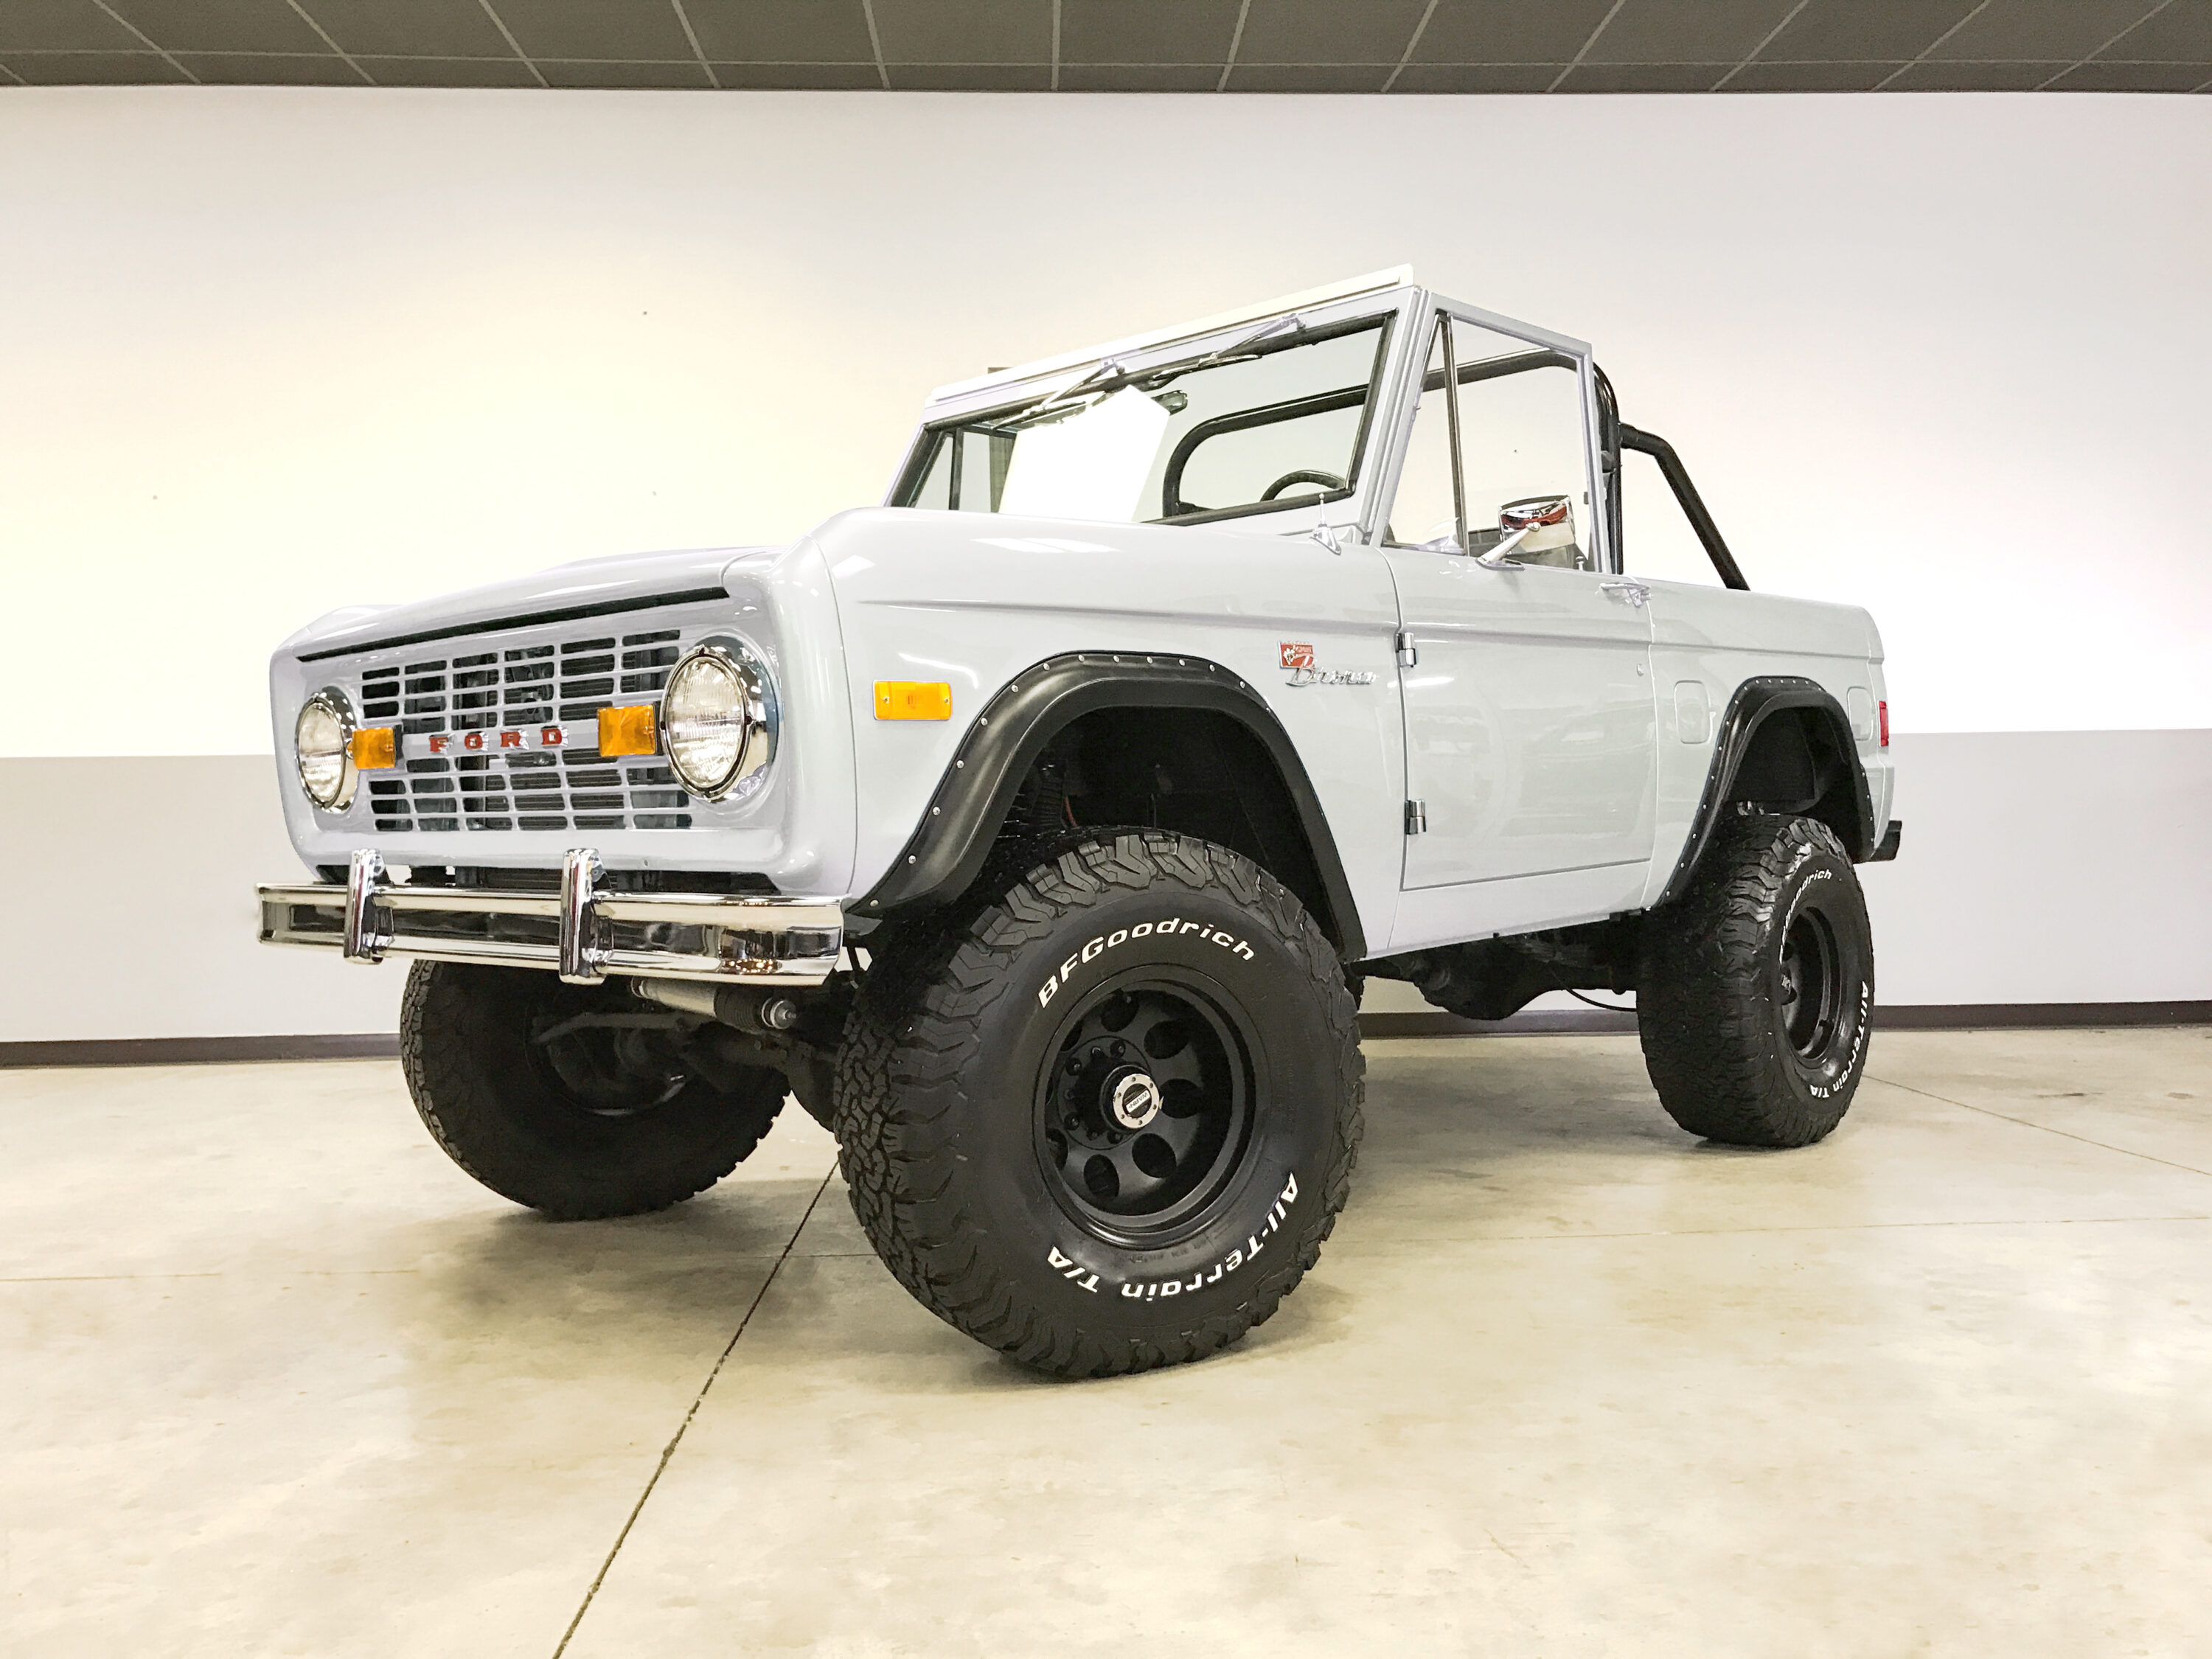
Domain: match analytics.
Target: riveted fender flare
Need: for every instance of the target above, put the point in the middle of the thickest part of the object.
(954, 839)
(1754, 703)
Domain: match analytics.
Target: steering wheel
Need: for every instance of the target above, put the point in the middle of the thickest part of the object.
(1326, 480)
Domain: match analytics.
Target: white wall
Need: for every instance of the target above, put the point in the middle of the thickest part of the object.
(269, 351)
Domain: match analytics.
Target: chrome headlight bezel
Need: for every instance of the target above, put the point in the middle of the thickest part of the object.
(334, 703)
(754, 703)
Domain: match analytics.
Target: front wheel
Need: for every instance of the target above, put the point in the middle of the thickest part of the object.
(1104, 1121)
(567, 1098)
(1756, 992)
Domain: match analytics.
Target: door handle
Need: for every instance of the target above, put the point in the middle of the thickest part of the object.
(1635, 594)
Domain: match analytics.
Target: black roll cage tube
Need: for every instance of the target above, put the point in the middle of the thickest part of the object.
(1693, 505)
(1172, 505)
(1616, 434)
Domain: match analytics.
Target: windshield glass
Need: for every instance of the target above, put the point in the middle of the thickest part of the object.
(1256, 426)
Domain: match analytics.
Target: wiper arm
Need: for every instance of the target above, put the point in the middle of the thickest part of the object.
(1152, 379)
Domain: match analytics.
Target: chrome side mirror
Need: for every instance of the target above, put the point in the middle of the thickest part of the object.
(1521, 521)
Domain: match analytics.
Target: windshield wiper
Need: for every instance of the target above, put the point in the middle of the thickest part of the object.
(1152, 379)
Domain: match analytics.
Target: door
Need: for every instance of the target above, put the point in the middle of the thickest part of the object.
(1528, 707)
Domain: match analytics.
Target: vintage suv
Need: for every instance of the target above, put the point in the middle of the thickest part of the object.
(1038, 829)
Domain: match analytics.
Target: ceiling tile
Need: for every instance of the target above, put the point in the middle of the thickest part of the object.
(676, 74)
(793, 78)
(410, 28)
(1507, 31)
(93, 69)
(1327, 31)
(220, 25)
(2020, 29)
(589, 30)
(2103, 76)
(1309, 77)
(1139, 77)
(1644, 77)
(1685, 30)
(1765, 76)
(1932, 76)
(781, 31)
(2182, 33)
(448, 72)
(269, 69)
(970, 77)
(1477, 77)
(1183, 32)
(965, 31)
(1864, 31)
(63, 26)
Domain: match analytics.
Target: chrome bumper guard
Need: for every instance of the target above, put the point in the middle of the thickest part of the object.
(581, 933)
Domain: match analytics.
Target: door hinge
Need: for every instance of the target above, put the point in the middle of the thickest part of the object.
(1409, 654)
(1417, 817)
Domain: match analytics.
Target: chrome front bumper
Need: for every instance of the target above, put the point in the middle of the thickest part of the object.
(581, 933)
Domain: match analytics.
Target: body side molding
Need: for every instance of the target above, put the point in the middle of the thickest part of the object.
(1752, 705)
(949, 847)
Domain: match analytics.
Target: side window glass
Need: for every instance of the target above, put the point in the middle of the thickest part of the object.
(967, 472)
(1522, 467)
(1421, 512)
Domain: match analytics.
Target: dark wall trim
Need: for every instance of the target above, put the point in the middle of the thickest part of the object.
(186, 1051)
(1932, 1017)
(1924, 1017)
(492, 624)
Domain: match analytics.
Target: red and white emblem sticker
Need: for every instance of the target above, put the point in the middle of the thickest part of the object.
(1296, 655)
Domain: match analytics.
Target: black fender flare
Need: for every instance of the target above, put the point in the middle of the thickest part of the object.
(1754, 703)
(949, 849)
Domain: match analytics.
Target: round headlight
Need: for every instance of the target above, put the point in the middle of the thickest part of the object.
(322, 748)
(718, 719)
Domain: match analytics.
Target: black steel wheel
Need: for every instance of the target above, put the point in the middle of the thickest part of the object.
(1142, 1108)
(1756, 993)
(567, 1098)
(1104, 1117)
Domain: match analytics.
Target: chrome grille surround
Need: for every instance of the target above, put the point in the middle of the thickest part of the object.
(519, 677)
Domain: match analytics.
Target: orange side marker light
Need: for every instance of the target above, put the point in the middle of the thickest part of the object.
(627, 731)
(913, 700)
(375, 748)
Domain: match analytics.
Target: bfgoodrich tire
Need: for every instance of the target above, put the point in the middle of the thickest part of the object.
(1757, 986)
(577, 1119)
(1104, 1119)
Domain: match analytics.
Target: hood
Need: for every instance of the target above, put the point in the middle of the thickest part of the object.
(581, 587)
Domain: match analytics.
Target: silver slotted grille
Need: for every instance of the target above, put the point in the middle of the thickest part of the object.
(480, 684)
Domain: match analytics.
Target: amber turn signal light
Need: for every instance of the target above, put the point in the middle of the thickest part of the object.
(627, 731)
(913, 700)
(375, 749)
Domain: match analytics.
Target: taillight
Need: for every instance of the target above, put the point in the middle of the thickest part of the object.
(1884, 708)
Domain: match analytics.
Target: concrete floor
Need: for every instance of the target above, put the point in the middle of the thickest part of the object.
(274, 1378)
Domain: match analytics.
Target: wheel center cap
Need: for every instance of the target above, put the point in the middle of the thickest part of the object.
(1136, 1100)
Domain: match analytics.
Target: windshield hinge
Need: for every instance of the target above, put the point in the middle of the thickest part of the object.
(1409, 654)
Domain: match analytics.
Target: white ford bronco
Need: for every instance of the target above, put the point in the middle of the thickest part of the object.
(1038, 830)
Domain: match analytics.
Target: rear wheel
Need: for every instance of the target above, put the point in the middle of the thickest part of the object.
(1104, 1121)
(1757, 986)
(570, 1098)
